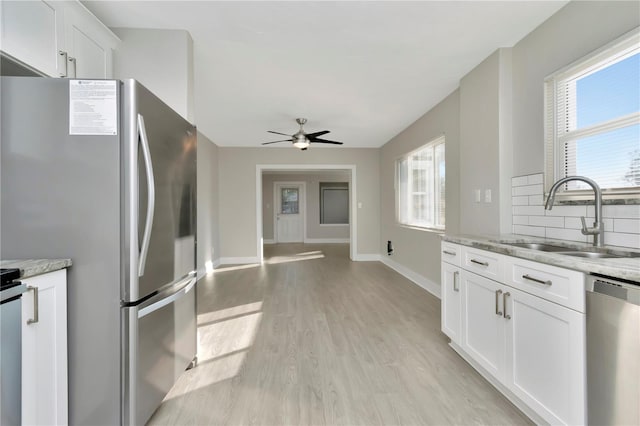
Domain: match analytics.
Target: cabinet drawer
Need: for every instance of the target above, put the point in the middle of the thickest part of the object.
(559, 285)
(450, 253)
(485, 263)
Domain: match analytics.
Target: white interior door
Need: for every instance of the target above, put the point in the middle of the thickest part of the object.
(289, 212)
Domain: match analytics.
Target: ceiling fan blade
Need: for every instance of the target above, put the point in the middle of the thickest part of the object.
(278, 133)
(316, 134)
(284, 140)
(325, 141)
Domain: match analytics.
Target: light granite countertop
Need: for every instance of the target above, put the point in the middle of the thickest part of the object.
(622, 267)
(31, 267)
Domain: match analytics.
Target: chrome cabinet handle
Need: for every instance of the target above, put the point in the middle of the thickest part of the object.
(504, 305)
(537, 280)
(479, 262)
(151, 194)
(62, 59)
(72, 61)
(456, 286)
(450, 253)
(36, 315)
(498, 293)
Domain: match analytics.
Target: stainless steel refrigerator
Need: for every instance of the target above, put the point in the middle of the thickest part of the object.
(103, 172)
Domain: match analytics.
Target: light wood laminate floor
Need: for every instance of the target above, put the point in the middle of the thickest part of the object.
(311, 338)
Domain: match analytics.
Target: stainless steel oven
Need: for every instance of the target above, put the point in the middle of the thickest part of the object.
(613, 351)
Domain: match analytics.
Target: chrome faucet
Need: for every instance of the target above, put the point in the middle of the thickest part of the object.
(598, 227)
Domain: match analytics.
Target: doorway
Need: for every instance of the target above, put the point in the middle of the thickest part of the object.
(262, 208)
(290, 213)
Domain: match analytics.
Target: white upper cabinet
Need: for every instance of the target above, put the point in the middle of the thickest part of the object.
(33, 32)
(59, 39)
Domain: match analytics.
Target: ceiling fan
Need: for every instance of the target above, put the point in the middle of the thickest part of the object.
(301, 139)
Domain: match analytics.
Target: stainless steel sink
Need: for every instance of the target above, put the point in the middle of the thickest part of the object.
(591, 254)
(539, 246)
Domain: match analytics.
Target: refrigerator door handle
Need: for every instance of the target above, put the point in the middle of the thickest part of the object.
(184, 287)
(146, 153)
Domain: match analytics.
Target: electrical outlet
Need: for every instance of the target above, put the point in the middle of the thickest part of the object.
(487, 195)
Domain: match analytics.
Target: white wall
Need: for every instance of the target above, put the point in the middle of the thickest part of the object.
(208, 248)
(162, 60)
(315, 232)
(237, 200)
(414, 249)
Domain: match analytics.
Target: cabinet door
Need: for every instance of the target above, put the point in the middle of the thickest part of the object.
(44, 350)
(545, 360)
(90, 54)
(33, 32)
(483, 328)
(451, 302)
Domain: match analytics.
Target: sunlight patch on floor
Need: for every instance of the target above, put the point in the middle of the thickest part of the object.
(295, 258)
(229, 312)
(236, 268)
(227, 336)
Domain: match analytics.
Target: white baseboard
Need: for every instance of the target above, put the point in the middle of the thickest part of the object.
(366, 258)
(238, 260)
(268, 241)
(326, 240)
(423, 282)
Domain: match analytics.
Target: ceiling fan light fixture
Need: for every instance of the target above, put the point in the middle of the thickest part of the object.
(301, 142)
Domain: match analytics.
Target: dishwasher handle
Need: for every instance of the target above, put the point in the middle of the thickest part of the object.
(627, 291)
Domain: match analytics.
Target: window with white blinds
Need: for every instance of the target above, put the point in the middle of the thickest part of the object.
(592, 122)
(420, 186)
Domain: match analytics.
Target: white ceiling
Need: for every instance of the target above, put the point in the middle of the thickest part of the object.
(364, 70)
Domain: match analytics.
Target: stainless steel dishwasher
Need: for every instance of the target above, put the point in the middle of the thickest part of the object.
(613, 351)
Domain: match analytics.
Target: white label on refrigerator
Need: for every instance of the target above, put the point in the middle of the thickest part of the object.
(93, 107)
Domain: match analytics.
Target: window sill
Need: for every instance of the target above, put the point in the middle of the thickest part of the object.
(420, 228)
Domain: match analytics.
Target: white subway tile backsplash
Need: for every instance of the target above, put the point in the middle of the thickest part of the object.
(621, 222)
(519, 180)
(520, 220)
(550, 221)
(527, 190)
(536, 200)
(565, 234)
(528, 210)
(534, 231)
(627, 212)
(567, 211)
(631, 226)
(622, 240)
(533, 179)
(520, 201)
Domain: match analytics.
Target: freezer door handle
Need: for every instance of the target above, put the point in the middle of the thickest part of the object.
(146, 153)
(180, 288)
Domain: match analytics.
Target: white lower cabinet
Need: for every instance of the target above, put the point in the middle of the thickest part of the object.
(484, 331)
(44, 350)
(534, 347)
(546, 357)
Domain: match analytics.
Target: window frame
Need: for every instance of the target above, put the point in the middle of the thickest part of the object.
(623, 47)
(439, 140)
